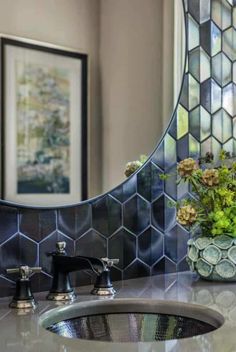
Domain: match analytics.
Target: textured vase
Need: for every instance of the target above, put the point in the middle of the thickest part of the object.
(213, 258)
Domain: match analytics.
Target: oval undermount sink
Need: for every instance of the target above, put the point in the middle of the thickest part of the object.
(131, 320)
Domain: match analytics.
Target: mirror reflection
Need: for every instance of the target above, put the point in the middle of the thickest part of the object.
(106, 80)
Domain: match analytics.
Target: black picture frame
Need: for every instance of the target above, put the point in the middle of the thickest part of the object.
(4, 41)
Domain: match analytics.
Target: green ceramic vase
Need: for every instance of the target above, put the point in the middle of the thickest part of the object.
(213, 258)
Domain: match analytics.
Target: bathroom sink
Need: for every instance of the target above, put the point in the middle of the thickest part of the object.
(131, 320)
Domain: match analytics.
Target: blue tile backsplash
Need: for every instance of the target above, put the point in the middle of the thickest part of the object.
(134, 222)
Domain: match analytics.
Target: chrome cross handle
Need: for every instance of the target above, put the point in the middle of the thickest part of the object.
(24, 270)
(110, 262)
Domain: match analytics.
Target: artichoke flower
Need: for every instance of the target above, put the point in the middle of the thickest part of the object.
(186, 167)
(187, 215)
(210, 177)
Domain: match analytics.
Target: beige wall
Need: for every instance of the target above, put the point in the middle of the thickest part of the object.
(71, 23)
(136, 81)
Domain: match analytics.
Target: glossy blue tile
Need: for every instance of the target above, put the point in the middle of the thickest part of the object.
(136, 214)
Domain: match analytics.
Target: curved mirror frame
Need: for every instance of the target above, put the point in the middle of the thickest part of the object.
(129, 181)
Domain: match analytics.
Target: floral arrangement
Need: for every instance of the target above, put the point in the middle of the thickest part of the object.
(133, 166)
(213, 206)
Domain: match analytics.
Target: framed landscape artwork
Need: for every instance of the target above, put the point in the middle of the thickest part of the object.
(44, 124)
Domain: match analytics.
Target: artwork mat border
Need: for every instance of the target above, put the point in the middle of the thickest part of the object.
(61, 51)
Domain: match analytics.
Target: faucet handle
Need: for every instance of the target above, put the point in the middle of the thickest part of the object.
(61, 246)
(24, 270)
(110, 262)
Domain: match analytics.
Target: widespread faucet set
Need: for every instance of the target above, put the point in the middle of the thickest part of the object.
(62, 266)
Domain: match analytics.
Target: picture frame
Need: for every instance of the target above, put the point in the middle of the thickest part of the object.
(44, 143)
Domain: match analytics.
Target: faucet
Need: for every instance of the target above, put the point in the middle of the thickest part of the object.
(63, 265)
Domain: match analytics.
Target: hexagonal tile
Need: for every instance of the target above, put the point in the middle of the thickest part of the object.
(221, 69)
(210, 96)
(163, 216)
(163, 266)
(176, 243)
(221, 13)
(37, 224)
(211, 145)
(231, 2)
(74, 221)
(222, 126)
(149, 183)
(8, 223)
(136, 214)
(194, 147)
(125, 190)
(229, 101)
(136, 269)
(7, 289)
(230, 146)
(182, 121)
(49, 245)
(200, 123)
(199, 64)
(210, 38)
(229, 43)
(106, 215)
(150, 246)
(18, 250)
(122, 246)
(200, 9)
(190, 96)
(193, 33)
(91, 245)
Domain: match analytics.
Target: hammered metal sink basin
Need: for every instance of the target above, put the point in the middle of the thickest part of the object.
(131, 320)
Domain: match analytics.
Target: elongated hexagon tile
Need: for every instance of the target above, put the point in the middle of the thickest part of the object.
(122, 246)
(163, 214)
(92, 244)
(8, 223)
(7, 289)
(18, 250)
(163, 266)
(221, 13)
(150, 246)
(136, 269)
(221, 69)
(126, 190)
(190, 96)
(199, 64)
(37, 224)
(210, 96)
(106, 215)
(229, 43)
(74, 221)
(136, 214)
(193, 33)
(200, 9)
(211, 145)
(200, 123)
(150, 184)
(210, 38)
(229, 101)
(222, 126)
(48, 245)
(176, 243)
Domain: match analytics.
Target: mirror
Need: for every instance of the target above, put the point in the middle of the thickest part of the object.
(130, 55)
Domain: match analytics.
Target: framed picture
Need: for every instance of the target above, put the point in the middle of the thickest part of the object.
(43, 124)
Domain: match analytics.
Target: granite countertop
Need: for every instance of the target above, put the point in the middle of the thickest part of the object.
(20, 331)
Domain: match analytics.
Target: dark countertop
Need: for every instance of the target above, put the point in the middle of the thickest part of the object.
(20, 331)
